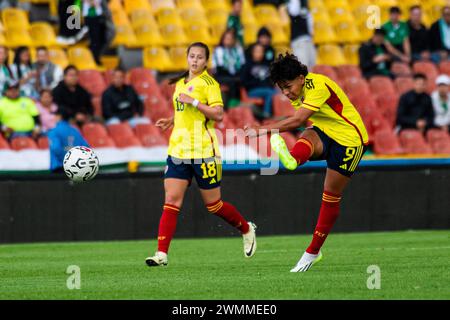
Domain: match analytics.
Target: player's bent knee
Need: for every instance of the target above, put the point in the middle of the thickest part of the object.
(215, 206)
(174, 200)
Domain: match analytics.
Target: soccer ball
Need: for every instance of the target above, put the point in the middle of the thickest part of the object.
(80, 164)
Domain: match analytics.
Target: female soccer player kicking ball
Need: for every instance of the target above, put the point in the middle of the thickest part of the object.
(337, 135)
(193, 152)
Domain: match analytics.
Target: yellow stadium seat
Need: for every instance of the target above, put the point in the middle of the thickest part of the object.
(131, 5)
(58, 56)
(316, 4)
(147, 36)
(139, 17)
(216, 31)
(282, 49)
(162, 4)
(284, 16)
(120, 18)
(434, 8)
(2, 39)
(18, 37)
(173, 35)
(168, 16)
(250, 34)
(15, 18)
(334, 3)
(125, 36)
(355, 3)
(330, 54)
(267, 14)
(156, 58)
(360, 13)
(82, 58)
(340, 14)
(195, 16)
(215, 4)
(279, 37)
(247, 16)
(177, 55)
(195, 33)
(323, 33)
(42, 34)
(217, 16)
(321, 15)
(186, 4)
(347, 32)
(364, 32)
(351, 53)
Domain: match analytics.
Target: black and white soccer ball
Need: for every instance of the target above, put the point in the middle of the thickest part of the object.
(81, 164)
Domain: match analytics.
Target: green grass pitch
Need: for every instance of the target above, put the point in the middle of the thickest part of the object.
(413, 265)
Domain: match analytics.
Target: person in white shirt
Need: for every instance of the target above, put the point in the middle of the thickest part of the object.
(441, 102)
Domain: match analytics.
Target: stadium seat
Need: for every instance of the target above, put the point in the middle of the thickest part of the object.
(347, 32)
(348, 71)
(380, 85)
(282, 106)
(167, 89)
(43, 143)
(267, 14)
(225, 124)
(401, 69)
(162, 4)
(92, 81)
(363, 101)
(15, 18)
(216, 31)
(385, 142)
(197, 32)
(217, 16)
(429, 70)
(147, 36)
(140, 17)
(177, 56)
(141, 75)
(123, 135)
(94, 128)
(16, 37)
(279, 37)
(82, 58)
(250, 33)
(157, 107)
(216, 5)
(247, 15)
(131, 5)
(321, 15)
(149, 135)
(156, 58)
(125, 36)
(59, 57)
(2, 39)
(330, 54)
(246, 99)
(325, 70)
(242, 116)
(351, 54)
(21, 143)
(194, 16)
(187, 4)
(373, 120)
(388, 104)
(324, 33)
(42, 34)
(173, 35)
(357, 87)
(4, 145)
(120, 18)
(439, 140)
(444, 67)
(168, 16)
(413, 142)
(403, 84)
(97, 136)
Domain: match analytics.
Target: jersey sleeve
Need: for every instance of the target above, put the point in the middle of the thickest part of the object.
(213, 95)
(316, 94)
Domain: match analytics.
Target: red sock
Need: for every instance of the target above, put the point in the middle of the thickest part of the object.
(302, 150)
(329, 211)
(167, 226)
(229, 213)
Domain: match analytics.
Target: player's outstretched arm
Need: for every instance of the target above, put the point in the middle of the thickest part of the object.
(297, 120)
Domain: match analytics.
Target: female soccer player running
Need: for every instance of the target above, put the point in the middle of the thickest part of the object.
(193, 152)
(337, 135)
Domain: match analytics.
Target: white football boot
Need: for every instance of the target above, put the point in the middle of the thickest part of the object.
(307, 261)
(159, 259)
(250, 240)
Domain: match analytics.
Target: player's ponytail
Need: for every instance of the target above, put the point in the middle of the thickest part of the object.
(186, 73)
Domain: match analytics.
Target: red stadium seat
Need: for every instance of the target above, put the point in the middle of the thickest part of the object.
(360, 101)
(386, 142)
(348, 71)
(326, 70)
(429, 70)
(21, 143)
(388, 104)
(444, 67)
(246, 99)
(43, 143)
(380, 85)
(150, 135)
(94, 128)
(401, 69)
(92, 81)
(157, 107)
(403, 84)
(141, 75)
(123, 135)
(356, 87)
(282, 106)
(167, 90)
(97, 136)
(373, 120)
(242, 116)
(413, 142)
(108, 74)
(3, 143)
(439, 140)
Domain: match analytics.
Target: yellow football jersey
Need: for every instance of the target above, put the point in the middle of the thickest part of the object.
(193, 135)
(334, 114)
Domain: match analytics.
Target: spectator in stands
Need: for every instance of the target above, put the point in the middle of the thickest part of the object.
(418, 35)
(70, 28)
(97, 18)
(440, 37)
(415, 109)
(47, 110)
(234, 20)
(18, 115)
(374, 58)
(255, 77)
(264, 39)
(63, 137)
(73, 101)
(228, 59)
(48, 73)
(441, 102)
(397, 36)
(5, 71)
(302, 32)
(22, 70)
(120, 102)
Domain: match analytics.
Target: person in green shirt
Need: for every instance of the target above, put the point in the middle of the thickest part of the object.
(19, 116)
(234, 20)
(397, 36)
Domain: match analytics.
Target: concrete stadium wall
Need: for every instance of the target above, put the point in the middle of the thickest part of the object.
(116, 207)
